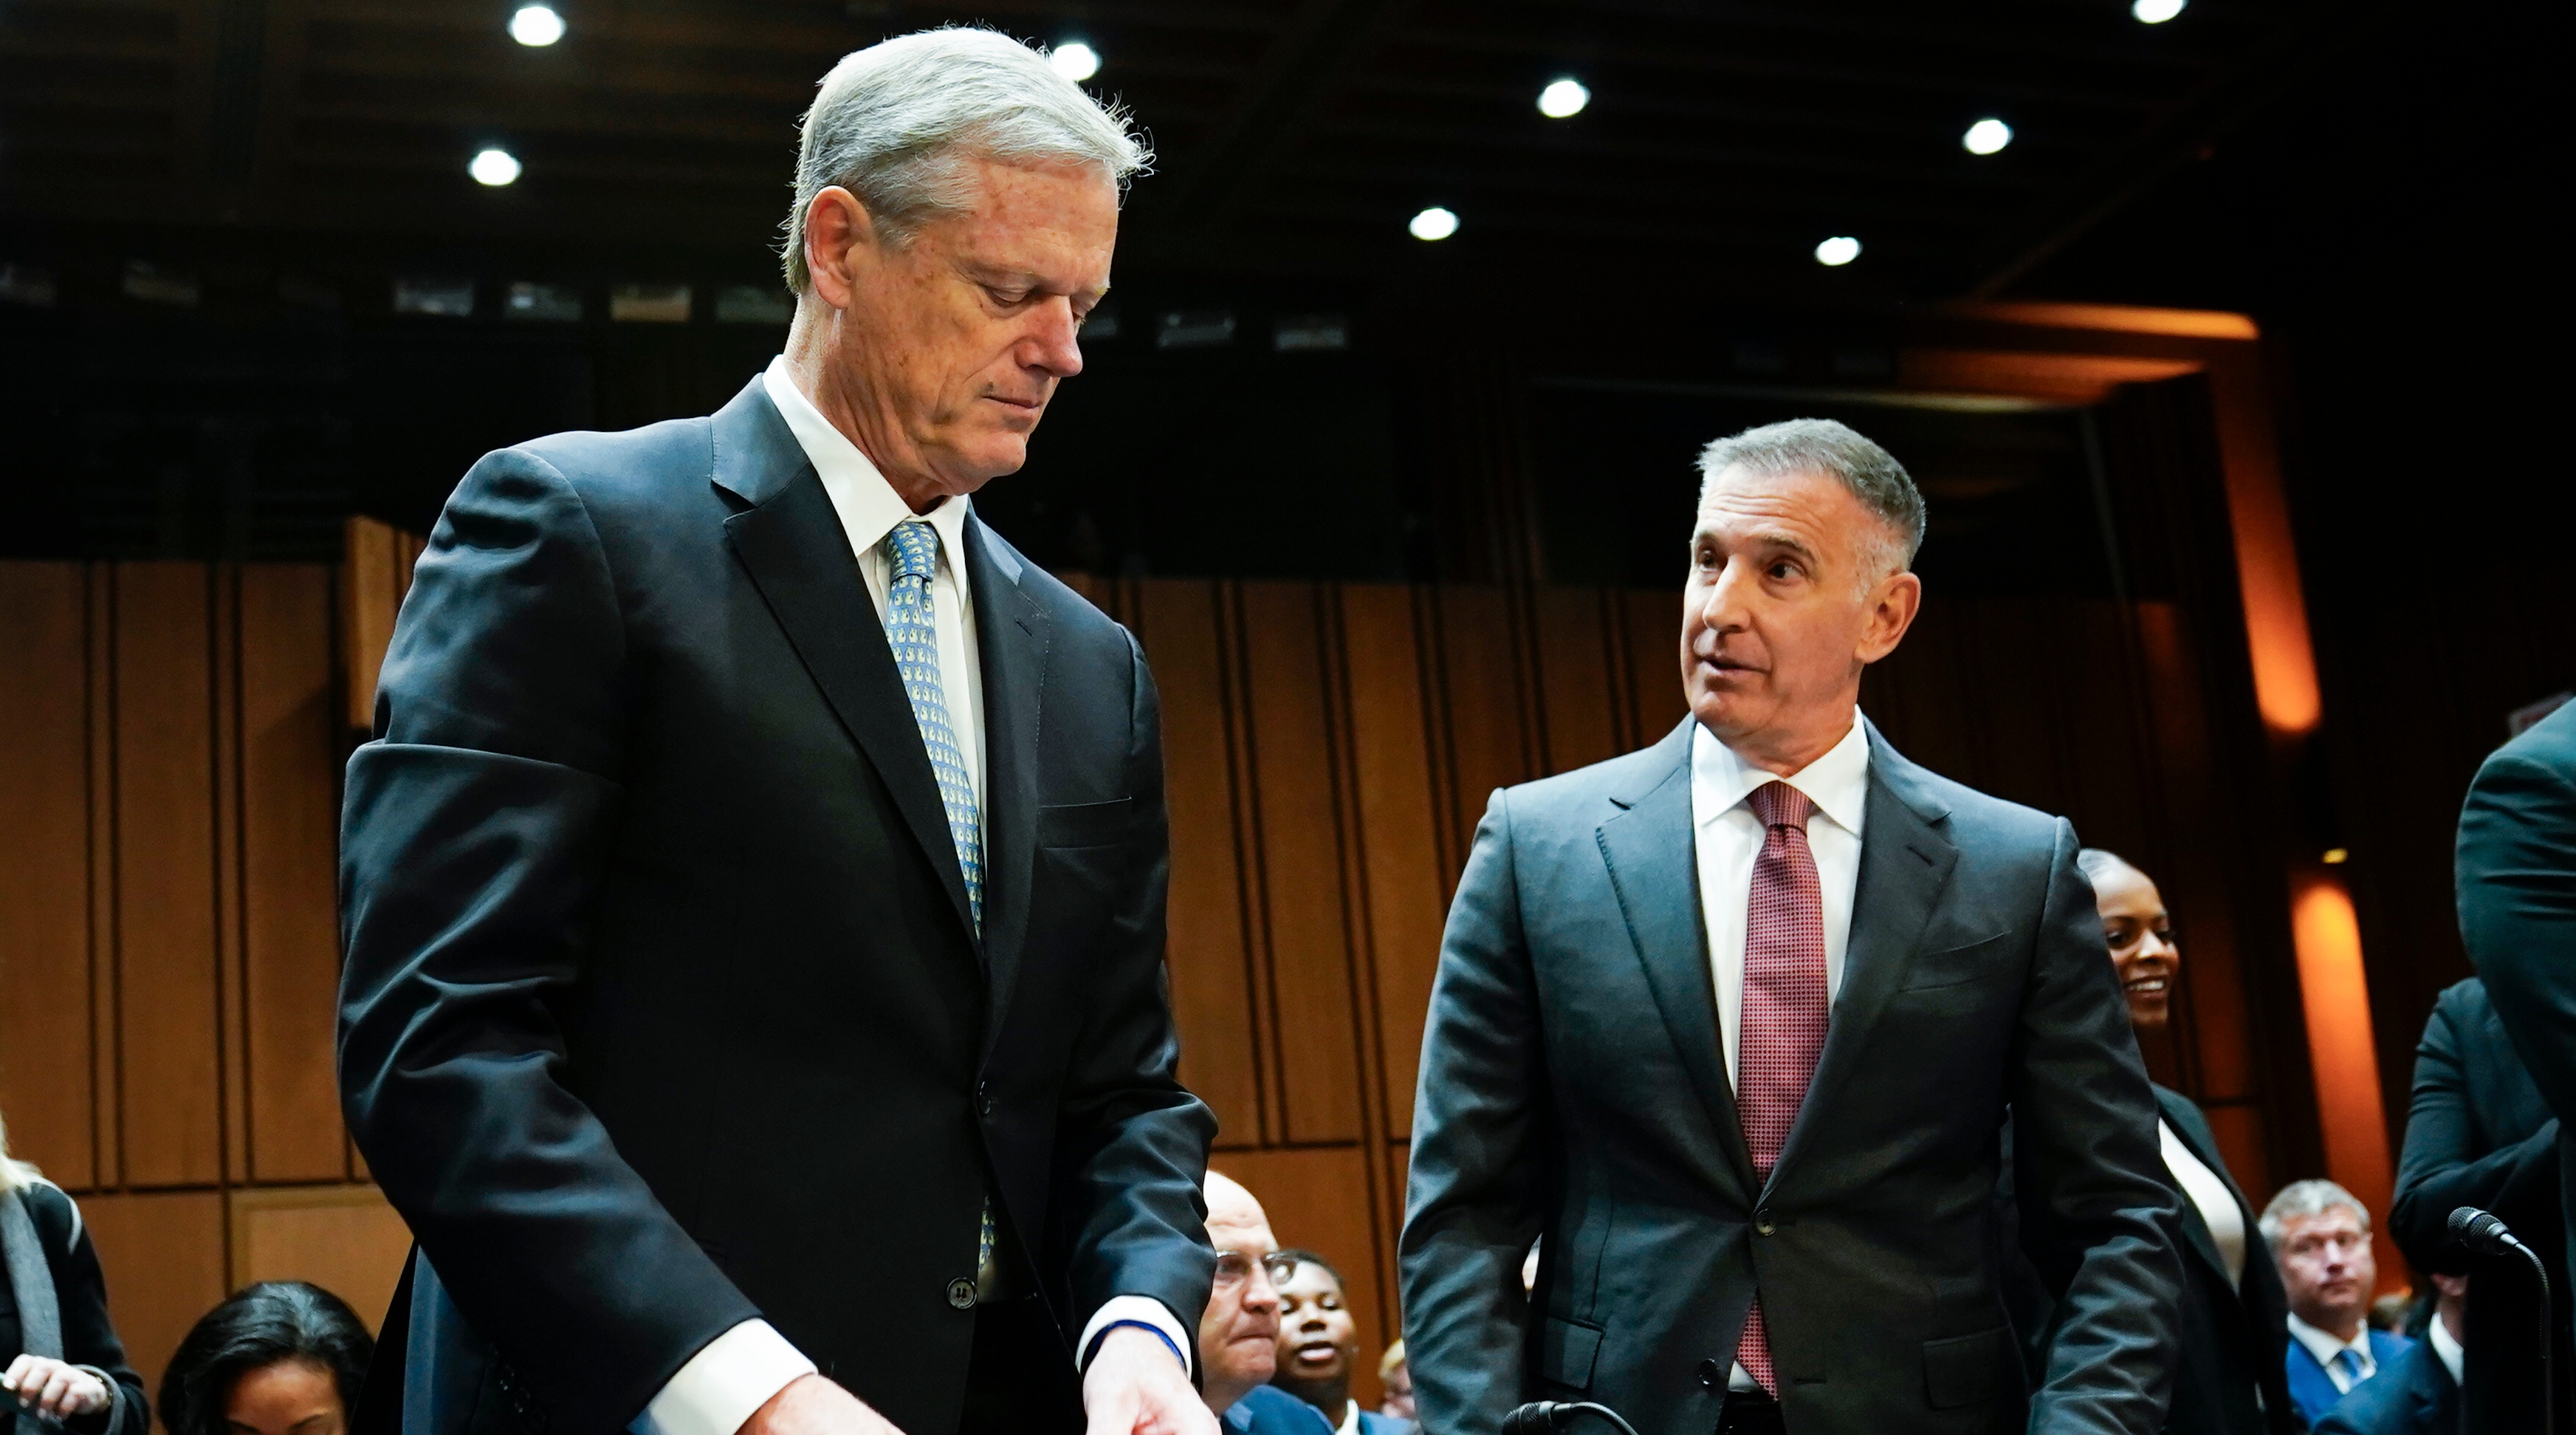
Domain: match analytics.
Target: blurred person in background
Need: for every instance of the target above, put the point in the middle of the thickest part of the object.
(2479, 1133)
(1319, 1345)
(278, 1358)
(1238, 1339)
(2231, 1378)
(2320, 1234)
(1395, 1378)
(60, 1359)
(2418, 1393)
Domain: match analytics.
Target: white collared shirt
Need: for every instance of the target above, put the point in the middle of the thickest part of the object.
(737, 1372)
(2447, 1348)
(2218, 1209)
(2325, 1348)
(1728, 838)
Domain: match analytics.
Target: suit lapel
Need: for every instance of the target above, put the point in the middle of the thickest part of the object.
(791, 542)
(1012, 634)
(2195, 1226)
(1651, 851)
(1905, 863)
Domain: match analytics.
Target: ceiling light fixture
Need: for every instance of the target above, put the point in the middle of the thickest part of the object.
(536, 26)
(494, 167)
(1838, 251)
(1987, 136)
(1075, 61)
(2156, 12)
(1434, 223)
(1563, 99)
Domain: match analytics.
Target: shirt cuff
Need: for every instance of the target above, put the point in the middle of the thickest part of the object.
(1146, 1310)
(720, 1387)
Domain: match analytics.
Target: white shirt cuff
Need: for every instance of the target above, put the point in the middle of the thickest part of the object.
(720, 1387)
(1144, 1309)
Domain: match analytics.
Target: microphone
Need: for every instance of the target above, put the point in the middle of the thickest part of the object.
(1546, 1417)
(2484, 1232)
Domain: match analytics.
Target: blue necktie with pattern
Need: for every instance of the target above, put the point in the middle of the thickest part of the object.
(912, 630)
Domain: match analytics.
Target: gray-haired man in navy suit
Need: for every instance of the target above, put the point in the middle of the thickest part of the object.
(1736, 1021)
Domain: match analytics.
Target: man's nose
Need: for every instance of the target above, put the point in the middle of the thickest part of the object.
(1721, 606)
(1053, 345)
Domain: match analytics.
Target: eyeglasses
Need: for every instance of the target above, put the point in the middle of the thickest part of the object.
(1233, 1267)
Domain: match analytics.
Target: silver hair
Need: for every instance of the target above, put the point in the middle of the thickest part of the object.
(2301, 1199)
(1835, 451)
(896, 123)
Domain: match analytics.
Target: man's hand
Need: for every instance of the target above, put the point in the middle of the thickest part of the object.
(57, 1391)
(812, 1405)
(1135, 1387)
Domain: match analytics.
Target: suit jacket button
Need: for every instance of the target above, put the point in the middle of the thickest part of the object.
(961, 1293)
(1710, 1377)
(1762, 1222)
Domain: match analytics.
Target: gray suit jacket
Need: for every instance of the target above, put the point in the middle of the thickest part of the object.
(1573, 1085)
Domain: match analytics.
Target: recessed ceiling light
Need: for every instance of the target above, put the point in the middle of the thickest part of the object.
(495, 167)
(1987, 136)
(1434, 223)
(2156, 12)
(1838, 251)
(1563, 99)
(1075, 61)
(536, 25)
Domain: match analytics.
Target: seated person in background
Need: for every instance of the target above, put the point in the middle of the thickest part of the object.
(1318, 1342)
(60, 1359)
(279, 1358)
(2321, 1235)
(1239, 1333)
(1396, 1379)
(2481, 1134)
(2418, 1393)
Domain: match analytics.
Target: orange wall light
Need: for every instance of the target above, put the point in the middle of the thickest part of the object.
(2341, 1051)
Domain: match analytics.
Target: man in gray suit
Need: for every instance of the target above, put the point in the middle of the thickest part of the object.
(1735, 1023)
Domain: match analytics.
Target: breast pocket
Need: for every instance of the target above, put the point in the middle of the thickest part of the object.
(1086, 824)
(1978, 961)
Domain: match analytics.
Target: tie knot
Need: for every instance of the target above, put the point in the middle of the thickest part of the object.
(1780, 805)
(915, 546)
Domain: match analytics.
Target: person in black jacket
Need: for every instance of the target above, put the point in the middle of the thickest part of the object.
(2230, 1378)
(2480, 1134)
(83, 1380)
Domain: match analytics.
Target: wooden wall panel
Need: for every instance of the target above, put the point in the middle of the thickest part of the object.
(1656, 700)
(289, 826)
(163, 1255)
(1289, 727)
(1485, 698)
(1209, 964)
(45, 1066)
(1581, 691)
(345, 1239)
(169, 1085)
(1318, 1200)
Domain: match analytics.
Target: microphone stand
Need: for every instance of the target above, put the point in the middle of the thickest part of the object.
(2548, 1338)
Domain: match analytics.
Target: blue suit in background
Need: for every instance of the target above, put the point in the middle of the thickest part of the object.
(1269, 1410)
(2313, 1391)
(2411, 1395)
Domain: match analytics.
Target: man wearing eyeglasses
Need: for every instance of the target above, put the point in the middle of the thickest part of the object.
(1239, 1334)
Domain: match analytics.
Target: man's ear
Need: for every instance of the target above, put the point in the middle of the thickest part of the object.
(1892, 606)
(840, 239)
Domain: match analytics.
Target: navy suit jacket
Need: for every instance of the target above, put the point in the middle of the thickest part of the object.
(663, 1008)
(2313, 1391)
(2412, 1395)
(1573, 1085)
(1269, 1410)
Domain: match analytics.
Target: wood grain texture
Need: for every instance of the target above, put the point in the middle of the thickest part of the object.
(163, 1254)
(1582, 694)
(45, 1066)
(169, 1078)
(345, 1239)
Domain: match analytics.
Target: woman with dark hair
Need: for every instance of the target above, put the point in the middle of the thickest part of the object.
(60, 1360)
(279, 1358)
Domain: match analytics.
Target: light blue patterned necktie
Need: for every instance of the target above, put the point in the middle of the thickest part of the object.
(913, 633)
(2350, 1360)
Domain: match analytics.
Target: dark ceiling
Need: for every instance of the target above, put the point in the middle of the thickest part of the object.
(1722, 142)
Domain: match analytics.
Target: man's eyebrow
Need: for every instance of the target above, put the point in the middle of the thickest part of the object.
(1773, 538)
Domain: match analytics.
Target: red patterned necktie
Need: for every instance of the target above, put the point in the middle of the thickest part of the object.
(1782, 1028)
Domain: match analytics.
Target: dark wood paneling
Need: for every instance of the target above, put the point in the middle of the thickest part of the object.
(290, 919)
(169, 1080)
(1656, 701)
(1581, 688)
(1484, 691)
(163, 1256)
(45, 1070)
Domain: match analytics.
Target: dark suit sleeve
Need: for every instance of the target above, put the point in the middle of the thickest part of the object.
(472, 839)
(1132, 1143)
(1478, 1117)
(2440, 1169)
(2089, 1179)
(80, 1294)
(2517, 892)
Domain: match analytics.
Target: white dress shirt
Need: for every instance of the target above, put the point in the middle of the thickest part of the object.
(2447, 1348)
(1729, 837)
(2218, 1208)
(737, 1372)
(2325, 1348)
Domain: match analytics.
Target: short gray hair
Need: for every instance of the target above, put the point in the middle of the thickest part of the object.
(2302, 1199)
(895, 123)
(1831, 450)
